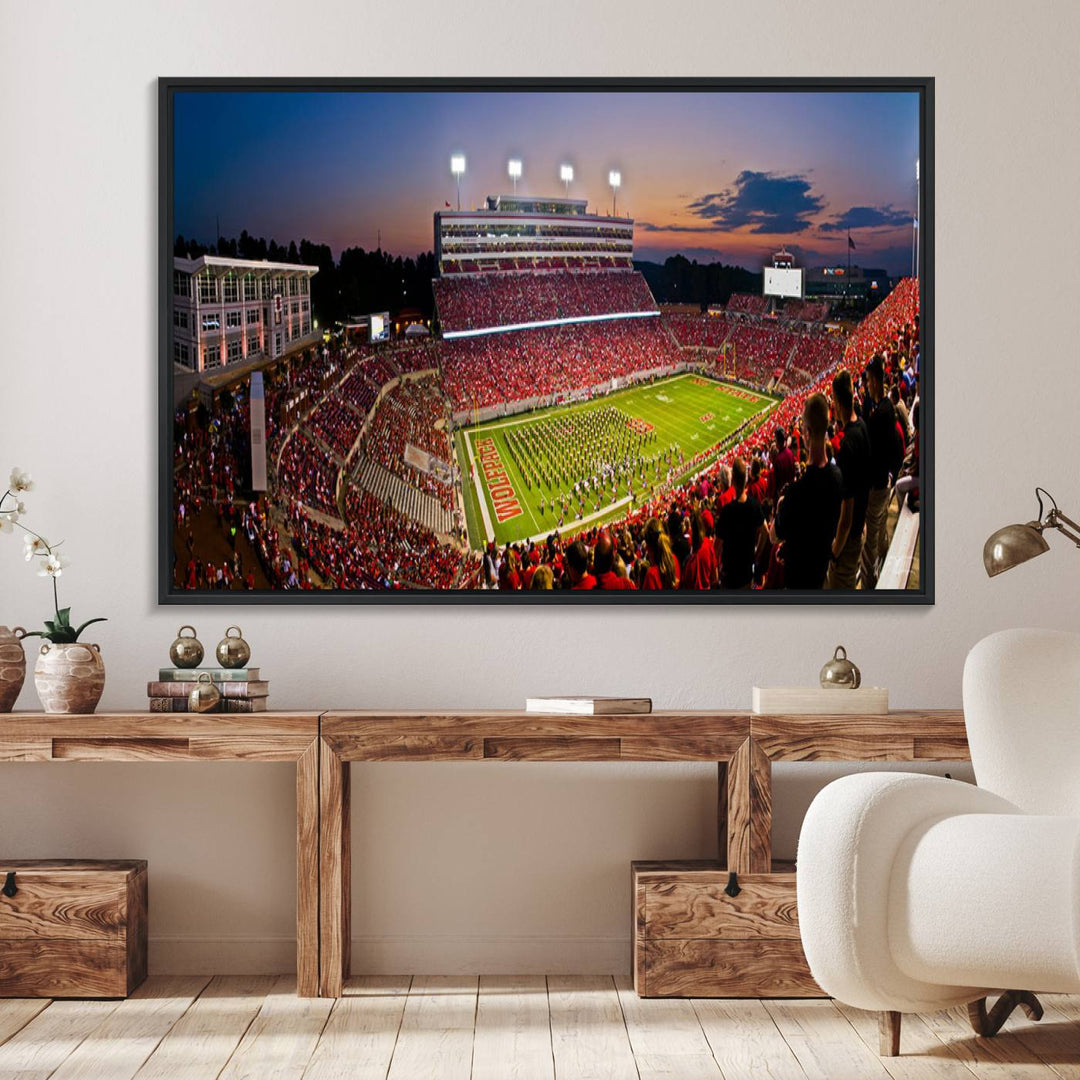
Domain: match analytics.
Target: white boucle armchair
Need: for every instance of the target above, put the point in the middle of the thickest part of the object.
(917, 893)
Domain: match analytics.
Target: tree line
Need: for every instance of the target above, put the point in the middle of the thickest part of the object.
(678, 280)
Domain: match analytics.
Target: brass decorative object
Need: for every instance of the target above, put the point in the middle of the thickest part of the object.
(204, 696)
(233, 652)
(12, 666)
(840, 673)
(186, 652)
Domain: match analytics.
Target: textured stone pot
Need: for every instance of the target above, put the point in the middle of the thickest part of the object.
(12, 666)
(69, 678)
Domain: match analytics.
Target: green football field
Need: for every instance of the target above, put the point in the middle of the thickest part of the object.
(513, 468)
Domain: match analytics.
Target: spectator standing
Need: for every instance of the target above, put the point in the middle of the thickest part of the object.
(853, 460)
(577, 566)
(604, 565)
(680, 546)
(663, 571)
(737, 533)
(886, 456)
(700, 571)
(810, 507)
(783, 464)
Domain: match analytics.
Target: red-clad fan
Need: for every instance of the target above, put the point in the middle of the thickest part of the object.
(604, 566)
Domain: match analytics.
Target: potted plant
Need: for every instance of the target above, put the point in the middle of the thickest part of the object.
(69, 674)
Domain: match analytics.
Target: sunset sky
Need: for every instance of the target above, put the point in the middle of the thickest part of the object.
(717, 175)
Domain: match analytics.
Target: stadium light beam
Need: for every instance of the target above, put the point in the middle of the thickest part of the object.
(457, 167)
(566, 174)
(614, 178)
(513, 166)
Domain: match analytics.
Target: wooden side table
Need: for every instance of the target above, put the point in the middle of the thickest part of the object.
(259, 737)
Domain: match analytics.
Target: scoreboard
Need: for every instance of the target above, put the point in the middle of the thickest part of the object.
(784, 281)
(379, 325)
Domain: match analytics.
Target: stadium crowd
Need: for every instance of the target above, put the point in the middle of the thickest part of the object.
(470, 302)
(801, 503)
(747, 304)
(521, 364)
(335, 424)
(814, 353)
(408, 414)
(704, 331)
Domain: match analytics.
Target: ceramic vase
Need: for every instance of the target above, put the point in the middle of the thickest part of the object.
(12, 666)
(69, 678)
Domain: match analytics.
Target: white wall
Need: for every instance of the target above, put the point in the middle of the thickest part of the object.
(493, 867)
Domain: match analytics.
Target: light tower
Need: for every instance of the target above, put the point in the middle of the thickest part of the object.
(566, 174)
(513, 167)
(457, 167)
(614, 178)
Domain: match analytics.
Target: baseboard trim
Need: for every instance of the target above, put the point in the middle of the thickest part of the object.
(456, 954)
(431, 954)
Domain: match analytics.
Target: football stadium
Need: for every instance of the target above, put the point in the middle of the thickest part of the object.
(556, 426)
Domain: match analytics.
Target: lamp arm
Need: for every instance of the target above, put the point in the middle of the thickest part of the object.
(1057, 520)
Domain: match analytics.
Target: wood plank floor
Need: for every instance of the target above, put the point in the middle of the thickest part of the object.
(525, 1027)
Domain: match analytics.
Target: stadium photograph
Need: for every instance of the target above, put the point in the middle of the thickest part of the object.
(508, 341)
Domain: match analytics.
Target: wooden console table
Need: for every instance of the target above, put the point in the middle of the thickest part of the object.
(743, 745)
(323, 745)
(260, 737)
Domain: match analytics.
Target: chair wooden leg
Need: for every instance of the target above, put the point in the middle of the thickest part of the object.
(988, 1024)
(889, 1033)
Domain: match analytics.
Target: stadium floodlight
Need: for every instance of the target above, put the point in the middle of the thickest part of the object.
(457, 167)
(513, 166)
(566, 174)
(614, 178)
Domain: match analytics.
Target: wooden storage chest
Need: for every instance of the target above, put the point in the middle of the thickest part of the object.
(693, 939)
(71, 928)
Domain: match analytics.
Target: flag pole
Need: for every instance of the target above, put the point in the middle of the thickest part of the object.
(847, 280)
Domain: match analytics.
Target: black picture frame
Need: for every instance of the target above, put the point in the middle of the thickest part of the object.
(169, 595)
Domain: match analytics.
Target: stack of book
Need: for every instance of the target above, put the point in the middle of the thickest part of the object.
(241, 689)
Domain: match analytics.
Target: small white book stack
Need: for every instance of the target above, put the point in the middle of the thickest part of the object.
(588, 706)
(821, 701)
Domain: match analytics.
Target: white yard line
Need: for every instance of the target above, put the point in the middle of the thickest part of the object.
(474, 472)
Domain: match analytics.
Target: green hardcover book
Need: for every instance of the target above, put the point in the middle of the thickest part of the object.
(225, 689)
(218, 674)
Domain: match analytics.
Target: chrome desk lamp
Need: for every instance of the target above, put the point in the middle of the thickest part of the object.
(1014, 544)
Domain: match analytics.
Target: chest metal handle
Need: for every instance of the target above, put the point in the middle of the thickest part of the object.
(9, 884)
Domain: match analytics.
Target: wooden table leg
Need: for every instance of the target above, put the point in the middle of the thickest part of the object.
(307, 872)
(749, 810)
(334, 872)
(722, 813)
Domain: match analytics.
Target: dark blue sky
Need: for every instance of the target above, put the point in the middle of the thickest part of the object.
(717, 175)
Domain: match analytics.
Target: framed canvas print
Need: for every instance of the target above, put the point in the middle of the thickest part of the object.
(546, 341)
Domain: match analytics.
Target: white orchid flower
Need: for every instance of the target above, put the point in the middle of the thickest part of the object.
(34, 545)
(7, 520)
(53, 566)
(20, 481)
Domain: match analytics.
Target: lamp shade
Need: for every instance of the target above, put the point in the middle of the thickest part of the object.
(1012, 545)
